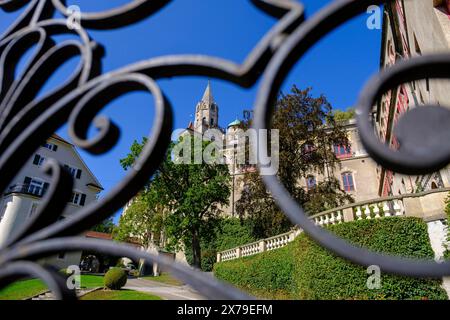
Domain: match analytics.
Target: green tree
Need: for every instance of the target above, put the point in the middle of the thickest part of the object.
(143, 218)
(307, 131)
(341, 116)
(325, 196)
(107, 226)
(190, 194)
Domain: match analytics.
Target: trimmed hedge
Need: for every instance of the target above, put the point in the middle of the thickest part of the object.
(115, 279)
(304, 270)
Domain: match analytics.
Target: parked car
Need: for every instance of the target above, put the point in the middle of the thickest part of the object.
(129, 269)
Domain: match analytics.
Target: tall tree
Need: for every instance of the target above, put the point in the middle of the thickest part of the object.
(341, 116)
(191, 194)
(326, 195)
(307, 131)
(143, 219)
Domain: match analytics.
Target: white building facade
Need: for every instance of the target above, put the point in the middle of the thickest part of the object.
(21, 200)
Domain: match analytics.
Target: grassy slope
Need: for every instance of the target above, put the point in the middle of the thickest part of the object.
(28, 288)
(304, 270)
(22, 289)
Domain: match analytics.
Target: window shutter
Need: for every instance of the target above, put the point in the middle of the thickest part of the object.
(55, 147)
(27, 180)
(45, 187)
(83, 199)
(78, 173)
(36, 159)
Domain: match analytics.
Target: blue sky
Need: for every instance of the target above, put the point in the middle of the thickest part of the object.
(338, 66)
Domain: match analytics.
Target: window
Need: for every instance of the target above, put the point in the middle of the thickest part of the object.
(34, 186)
(342, 151)
(311, 182)
(347, 180)
(50, 146)
(212, 121)
(38, 160)
(78, 198)
(308, 148)
(76, 173)
(33, 210)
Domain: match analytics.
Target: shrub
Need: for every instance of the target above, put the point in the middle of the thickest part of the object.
(233, 233)
(115, 279)
(209, 257)
(230, 233)
(305, 270)
(268, 275)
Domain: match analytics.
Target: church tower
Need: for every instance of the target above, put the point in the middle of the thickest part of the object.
(206, 112)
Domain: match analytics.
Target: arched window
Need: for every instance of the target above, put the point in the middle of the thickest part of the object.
(347, 181)
(434, 185)
(311, 182)
(212, 122)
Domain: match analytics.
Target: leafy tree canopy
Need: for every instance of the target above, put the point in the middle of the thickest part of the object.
(307, 130)
(186, 196)
(107, 226)
(340, 116)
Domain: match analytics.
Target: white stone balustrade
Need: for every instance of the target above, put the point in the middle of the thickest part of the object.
(258, 247)
(427, 205)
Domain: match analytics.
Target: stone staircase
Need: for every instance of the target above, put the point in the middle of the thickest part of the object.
(44, 296)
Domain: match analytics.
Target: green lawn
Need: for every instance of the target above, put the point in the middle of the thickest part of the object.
(119, 295)
(28, 288)
(22, 289)
(166, 278)
(88, 281)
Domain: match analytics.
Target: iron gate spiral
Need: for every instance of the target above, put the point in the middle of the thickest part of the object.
(26, 121)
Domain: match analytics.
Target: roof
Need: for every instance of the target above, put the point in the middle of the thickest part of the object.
(96, 181)
(207, 95)
(98, 235)
(234, 123)
(59, 138)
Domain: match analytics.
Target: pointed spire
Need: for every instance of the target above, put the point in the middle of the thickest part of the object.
(207, 95)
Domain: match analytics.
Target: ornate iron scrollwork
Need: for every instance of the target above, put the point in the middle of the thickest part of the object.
(25, 122)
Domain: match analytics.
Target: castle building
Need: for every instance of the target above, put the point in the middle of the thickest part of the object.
(206, 125)
(405, 35)
(21, 200)
(355, 170)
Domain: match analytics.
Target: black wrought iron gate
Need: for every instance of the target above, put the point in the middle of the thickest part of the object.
(27, 121)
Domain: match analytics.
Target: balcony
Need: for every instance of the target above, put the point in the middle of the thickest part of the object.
(29, 189)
